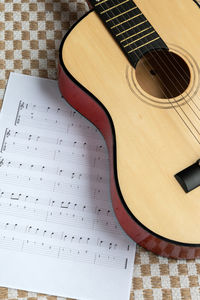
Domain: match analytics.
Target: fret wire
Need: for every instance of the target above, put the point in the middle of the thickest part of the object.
(131, 28)
(99, 3)
(121, 14)
(126, 18)
(139, 38)
(135, 34)
(103, 12)
(144, 45)
(126, 21)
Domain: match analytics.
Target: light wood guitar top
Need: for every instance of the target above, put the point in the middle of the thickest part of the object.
(153, 143)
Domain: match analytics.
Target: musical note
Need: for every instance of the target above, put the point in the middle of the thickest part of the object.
(1, 162)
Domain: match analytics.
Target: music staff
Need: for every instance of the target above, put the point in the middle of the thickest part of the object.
(57, 155)
(64, 236)
(64, 172)
(49, 185)
(60, 217)
(100, 209)
(92, 144)
(64, 253)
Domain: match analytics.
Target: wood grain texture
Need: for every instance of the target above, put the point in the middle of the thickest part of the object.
(153, 144)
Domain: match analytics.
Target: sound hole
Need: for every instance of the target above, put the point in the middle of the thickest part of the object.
(163, 74)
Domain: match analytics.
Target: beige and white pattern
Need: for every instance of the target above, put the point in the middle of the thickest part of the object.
(30, 35)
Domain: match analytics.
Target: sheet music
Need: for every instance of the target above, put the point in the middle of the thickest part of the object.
(58, 233)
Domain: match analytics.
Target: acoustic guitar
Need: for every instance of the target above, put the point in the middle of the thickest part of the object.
(132, 69)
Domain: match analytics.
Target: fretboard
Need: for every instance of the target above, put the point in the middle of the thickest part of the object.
(129, 27)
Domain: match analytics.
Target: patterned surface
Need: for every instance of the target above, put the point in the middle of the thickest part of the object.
(30, 34)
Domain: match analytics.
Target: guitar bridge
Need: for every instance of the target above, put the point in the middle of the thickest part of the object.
(189, 178)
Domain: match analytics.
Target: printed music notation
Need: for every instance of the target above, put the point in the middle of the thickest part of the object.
(62, 217)
(54, 186)
(64, 236)
(73, 205)
(75, 255)
(45, 117)
(23, 145)
(52, 178)
(61, 172)
(55, 204)
(68, 141)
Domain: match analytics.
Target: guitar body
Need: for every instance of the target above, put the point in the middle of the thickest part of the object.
(150, 137)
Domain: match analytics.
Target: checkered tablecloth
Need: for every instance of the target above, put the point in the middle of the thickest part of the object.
(30, 35)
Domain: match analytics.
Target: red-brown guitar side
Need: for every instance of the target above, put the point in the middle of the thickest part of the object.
(93, 110)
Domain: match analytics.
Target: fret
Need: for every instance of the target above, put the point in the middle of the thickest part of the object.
(126, 21)
(129, 37)
(129, 28)
(141, 40)
(101, 2)
(112, 7)
(117, 16)
(143, 45)
(142, 37)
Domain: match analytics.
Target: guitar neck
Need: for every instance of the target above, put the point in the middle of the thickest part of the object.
(129, 28)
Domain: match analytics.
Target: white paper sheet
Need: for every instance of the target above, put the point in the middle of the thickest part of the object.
(58, 233)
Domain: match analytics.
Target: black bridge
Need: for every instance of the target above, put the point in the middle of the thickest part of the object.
(189, 178)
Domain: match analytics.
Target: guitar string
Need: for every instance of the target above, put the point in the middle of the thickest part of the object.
(179, 74)
(185, 81)
(171, 102)
(163, 85)
(175, 60)
(171, 81)
(138, 57)
(186, 102)
(173, 85)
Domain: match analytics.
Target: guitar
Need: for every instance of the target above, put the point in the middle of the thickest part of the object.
(132, 69)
